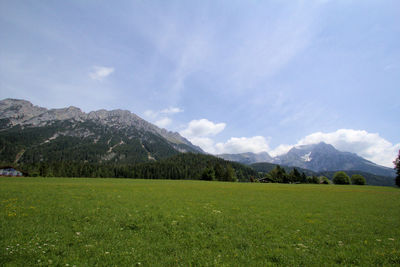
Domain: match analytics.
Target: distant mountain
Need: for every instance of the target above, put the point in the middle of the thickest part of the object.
(247, 158)
(30, 134)
(318, 159)
(324, 157)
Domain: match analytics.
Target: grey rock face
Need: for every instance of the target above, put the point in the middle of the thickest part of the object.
(19, 111)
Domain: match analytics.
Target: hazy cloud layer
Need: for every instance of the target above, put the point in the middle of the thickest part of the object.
(99, 73)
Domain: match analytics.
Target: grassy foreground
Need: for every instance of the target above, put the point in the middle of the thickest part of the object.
(117, 222)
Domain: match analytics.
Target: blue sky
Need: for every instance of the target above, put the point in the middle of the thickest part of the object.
(231, 76)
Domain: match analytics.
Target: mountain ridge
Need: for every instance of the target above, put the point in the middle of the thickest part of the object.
(24, 113)
(30, 134)
(319, 157)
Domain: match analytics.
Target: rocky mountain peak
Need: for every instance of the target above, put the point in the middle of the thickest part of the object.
(19, 111)
(22, 112)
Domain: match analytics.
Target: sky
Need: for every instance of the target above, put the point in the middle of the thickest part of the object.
(230, 76)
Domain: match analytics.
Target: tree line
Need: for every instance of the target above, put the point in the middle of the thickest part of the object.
(180, 167)
(279, 175)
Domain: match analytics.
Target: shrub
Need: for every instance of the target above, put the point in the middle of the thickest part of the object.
(341, 178)
(358, 179)
(324, 180)
(312, 180)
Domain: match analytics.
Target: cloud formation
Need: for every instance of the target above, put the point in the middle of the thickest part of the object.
(202, 128)
(255, 144)
(98, 73)
(161, 118)
(199, 132)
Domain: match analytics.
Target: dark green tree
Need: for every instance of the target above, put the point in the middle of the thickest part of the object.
(208, 174)
(358, 179)
(313, 179)
(303, 178)
(279, 175)
(295, 176)
(397, 168)
(219, 172)
(230, 175)
(341, 178)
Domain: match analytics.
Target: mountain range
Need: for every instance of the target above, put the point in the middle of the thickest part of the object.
(317, 159)
(30, 134)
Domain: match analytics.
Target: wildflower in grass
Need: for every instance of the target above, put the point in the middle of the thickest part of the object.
(78, 233)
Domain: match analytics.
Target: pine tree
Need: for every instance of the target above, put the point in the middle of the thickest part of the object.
(397, 167)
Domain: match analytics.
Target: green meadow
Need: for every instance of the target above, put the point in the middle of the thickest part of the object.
(124, 222)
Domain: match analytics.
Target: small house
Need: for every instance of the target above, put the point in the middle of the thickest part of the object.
(11, 171)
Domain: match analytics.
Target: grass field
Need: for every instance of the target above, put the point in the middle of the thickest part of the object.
(117, 222)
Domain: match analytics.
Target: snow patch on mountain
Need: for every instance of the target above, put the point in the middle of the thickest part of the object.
(307, 157)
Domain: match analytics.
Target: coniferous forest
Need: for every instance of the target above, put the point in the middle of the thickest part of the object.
(182, 166)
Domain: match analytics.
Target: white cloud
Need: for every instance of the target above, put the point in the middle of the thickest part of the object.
(168, 111)
(202, 128)
(279, 150)
(99, 73)
(161, 118)
(171, 110)
(206, 143)
(367, 145)
(163, 122)
(254, 144)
